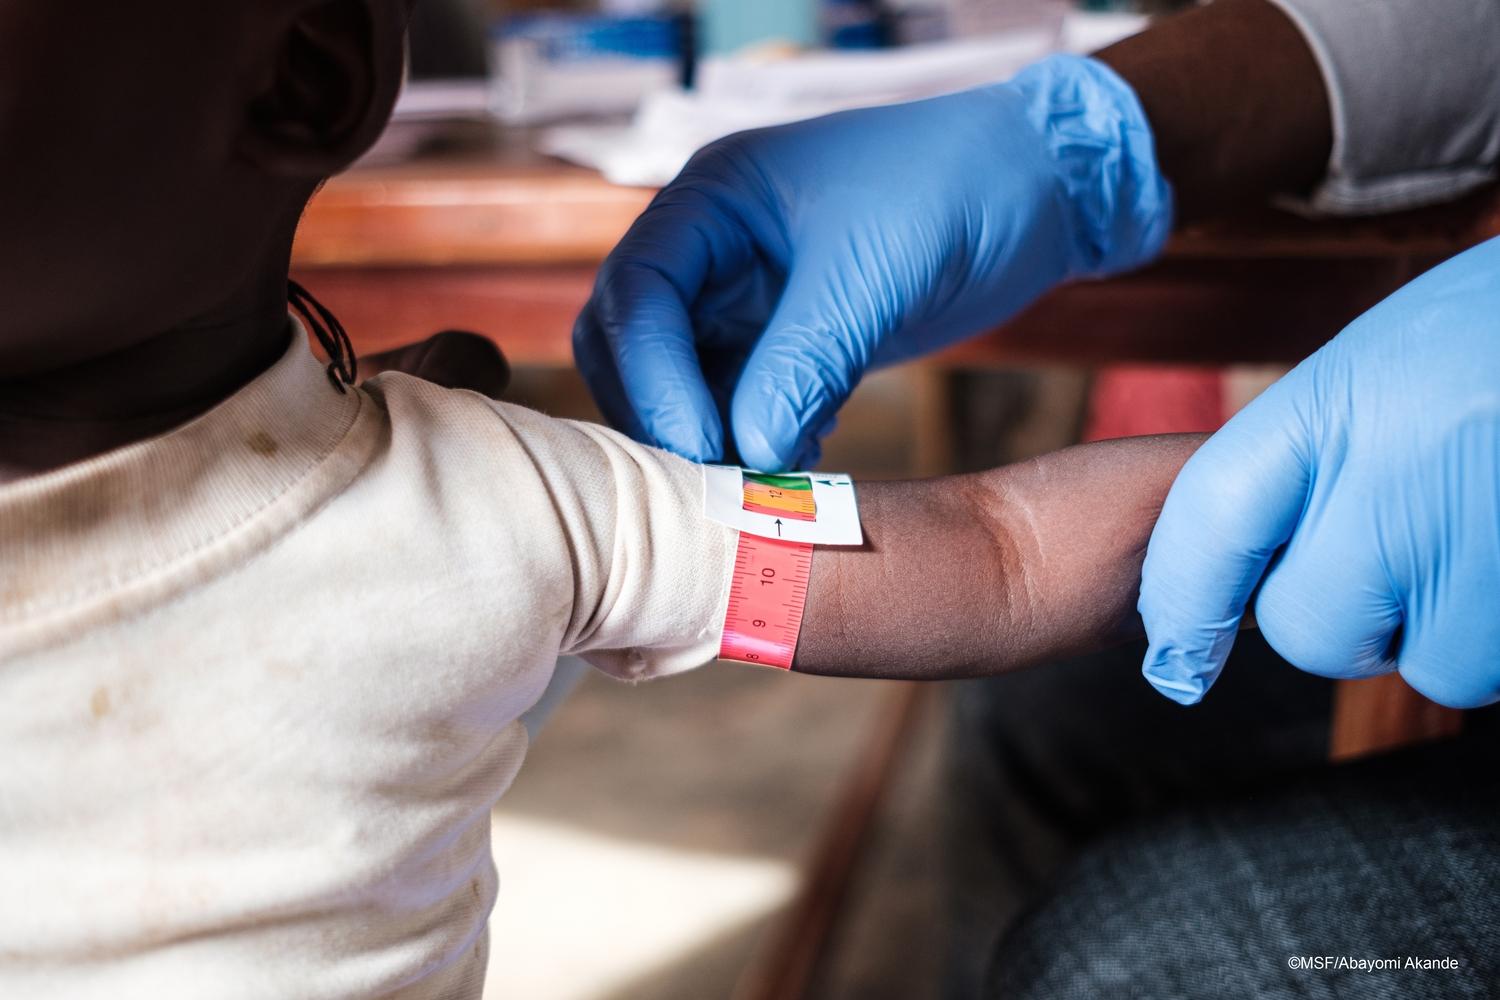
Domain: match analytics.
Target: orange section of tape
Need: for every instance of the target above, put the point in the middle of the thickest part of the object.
(766, 599)
(780, 496)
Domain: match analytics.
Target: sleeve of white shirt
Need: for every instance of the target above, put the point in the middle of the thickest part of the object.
(650, 572)
(1414, 87)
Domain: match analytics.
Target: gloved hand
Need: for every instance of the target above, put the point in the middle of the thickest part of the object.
(1368, 481)
(784, 262)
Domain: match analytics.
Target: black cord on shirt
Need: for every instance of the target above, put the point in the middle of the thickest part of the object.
(342, 366)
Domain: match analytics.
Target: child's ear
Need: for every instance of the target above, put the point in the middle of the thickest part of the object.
(331, 77)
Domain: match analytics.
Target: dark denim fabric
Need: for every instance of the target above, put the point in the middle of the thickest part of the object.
(1166, 852)
(1394, 859)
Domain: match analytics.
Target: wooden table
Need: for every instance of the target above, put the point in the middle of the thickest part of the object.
(476, 232)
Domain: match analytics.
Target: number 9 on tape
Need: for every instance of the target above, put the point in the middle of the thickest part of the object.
(766, 599)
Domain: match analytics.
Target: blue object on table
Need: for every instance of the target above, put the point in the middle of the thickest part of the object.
(563, 37)
(854, 24)
(730, 25)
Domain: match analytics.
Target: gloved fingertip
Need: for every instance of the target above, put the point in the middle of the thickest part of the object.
(757, 451)
(1174, 677)
(810, 456)
(1183, 693)
(770, 443)
(812, 451)
(694, 441)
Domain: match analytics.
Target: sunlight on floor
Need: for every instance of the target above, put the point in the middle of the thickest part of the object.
(582, 915)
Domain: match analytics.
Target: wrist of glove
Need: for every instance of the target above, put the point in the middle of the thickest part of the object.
(1096, 132)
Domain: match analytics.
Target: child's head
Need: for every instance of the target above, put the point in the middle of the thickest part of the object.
(155, 155)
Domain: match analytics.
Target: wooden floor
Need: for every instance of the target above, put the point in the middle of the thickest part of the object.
(652, 845)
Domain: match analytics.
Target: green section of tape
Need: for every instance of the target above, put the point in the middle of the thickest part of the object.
(779, 482)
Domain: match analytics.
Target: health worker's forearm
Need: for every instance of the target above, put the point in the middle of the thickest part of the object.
(978, 574)
(1237, 105)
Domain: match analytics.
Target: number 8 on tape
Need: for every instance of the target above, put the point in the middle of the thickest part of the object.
(766, 599)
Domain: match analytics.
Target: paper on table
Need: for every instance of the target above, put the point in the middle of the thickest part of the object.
(816, 507)
(744, 91)
(442, 100)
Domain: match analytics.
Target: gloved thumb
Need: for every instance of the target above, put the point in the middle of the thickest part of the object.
(814, 351)
(1235, 503)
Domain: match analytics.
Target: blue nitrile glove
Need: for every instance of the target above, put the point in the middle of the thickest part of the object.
(1368, 480)
(784, 262)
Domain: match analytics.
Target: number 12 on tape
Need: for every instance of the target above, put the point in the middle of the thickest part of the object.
(815, 507)
(766, 600)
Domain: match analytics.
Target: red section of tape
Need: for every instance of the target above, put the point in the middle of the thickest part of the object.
(766, 601)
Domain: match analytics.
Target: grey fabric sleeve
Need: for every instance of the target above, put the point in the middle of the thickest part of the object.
(1414, 87)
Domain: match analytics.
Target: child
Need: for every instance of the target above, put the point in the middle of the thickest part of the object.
(264, 636)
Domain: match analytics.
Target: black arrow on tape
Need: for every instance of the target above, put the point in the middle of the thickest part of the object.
(778, 527)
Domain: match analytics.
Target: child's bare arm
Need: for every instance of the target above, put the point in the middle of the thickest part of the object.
(978, 574)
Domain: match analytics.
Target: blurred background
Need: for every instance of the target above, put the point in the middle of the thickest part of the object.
(735, 832)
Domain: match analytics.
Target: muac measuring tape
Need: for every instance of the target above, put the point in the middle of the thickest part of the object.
(780, 518)
(766, 599)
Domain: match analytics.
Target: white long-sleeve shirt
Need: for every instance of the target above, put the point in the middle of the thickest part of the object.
(260, 680)
(1414, 87)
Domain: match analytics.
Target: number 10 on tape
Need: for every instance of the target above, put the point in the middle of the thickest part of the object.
(766, 598)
